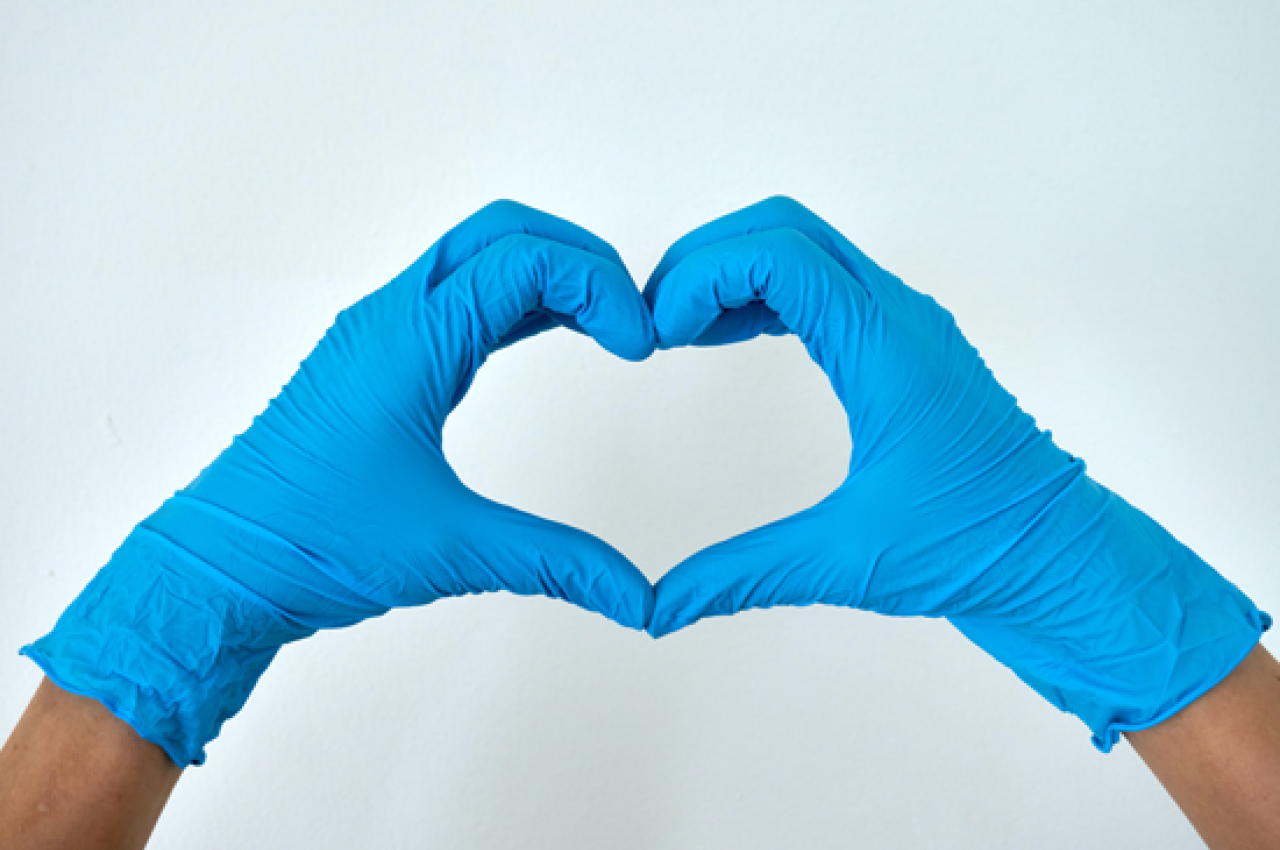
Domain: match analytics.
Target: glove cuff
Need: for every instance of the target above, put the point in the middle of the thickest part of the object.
(1141, 630)
(166, 642)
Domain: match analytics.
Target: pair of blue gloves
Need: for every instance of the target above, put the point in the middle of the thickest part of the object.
(338, 504)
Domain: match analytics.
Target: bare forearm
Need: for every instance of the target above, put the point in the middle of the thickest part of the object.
(74, 775)
(1219, 758)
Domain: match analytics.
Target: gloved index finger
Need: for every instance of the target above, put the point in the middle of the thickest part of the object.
(520, 273)
(468, 316)
(495, 221)
(782, 268)
(775, 213)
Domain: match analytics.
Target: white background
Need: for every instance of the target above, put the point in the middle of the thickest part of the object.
(190, 192)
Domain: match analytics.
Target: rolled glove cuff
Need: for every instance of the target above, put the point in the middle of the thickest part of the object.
(166, 642)
(1140, 628)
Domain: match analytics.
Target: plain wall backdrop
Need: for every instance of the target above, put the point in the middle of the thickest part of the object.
(189, 192)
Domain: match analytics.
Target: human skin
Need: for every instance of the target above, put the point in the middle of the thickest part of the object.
(72, 775)
(1219, 758)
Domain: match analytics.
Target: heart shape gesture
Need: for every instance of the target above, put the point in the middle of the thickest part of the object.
(338, 504)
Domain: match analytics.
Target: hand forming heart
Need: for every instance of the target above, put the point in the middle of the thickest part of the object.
(338, 504)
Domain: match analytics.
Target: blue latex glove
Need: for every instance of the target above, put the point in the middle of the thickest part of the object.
(338, 503)
(956, 504)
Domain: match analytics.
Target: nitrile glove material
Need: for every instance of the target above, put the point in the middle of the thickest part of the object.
(338, 503)
(956, 504)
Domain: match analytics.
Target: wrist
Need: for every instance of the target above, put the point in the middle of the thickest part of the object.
(168, 646)
(1141, 628)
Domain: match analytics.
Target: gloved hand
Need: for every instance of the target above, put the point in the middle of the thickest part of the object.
(338, 503)
(956, 504)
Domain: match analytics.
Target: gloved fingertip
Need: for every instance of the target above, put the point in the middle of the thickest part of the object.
(663, 625)
(634, 607)
(619, 320)
(647, 607)
(635, 345)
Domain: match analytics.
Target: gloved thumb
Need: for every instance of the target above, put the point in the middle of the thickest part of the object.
(507, 549)
(800, 560)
